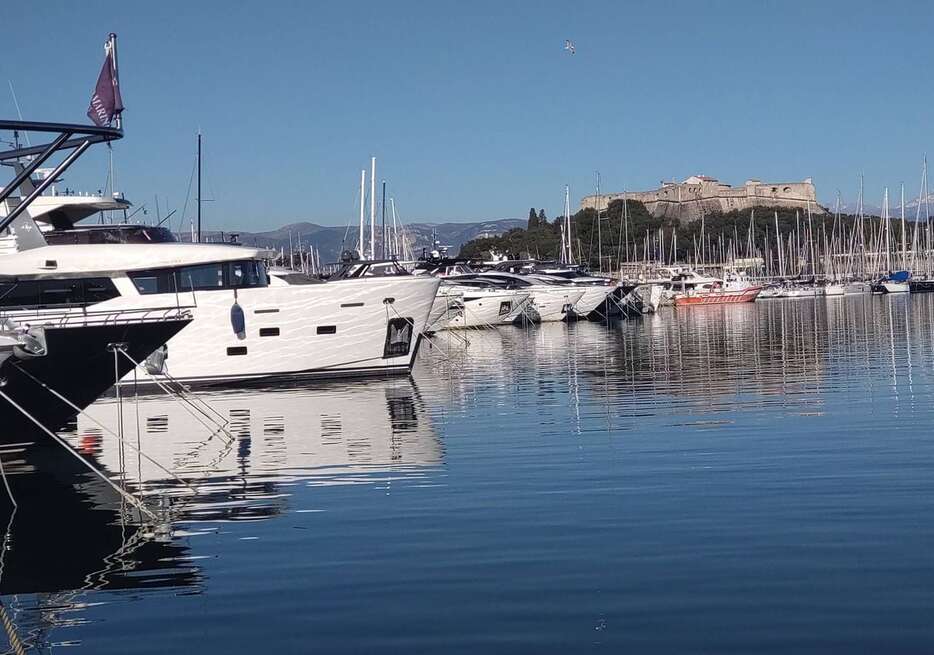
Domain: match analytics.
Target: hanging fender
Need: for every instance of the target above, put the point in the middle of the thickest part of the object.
(237, 318)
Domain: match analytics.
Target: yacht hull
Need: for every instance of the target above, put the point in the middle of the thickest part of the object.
(341, 328)
(488, 309)
(366, 326)
(921, 286)
(553, 303)
(79, 365)
(592, 298)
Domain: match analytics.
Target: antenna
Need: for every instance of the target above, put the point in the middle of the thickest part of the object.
(20, 114)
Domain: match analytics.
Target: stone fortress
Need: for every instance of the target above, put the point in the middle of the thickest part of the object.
(699, 195)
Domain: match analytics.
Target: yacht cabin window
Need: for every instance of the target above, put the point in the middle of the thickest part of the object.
(56, 292)
(219, 275)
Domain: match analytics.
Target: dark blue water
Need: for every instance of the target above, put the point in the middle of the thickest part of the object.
(713, 480)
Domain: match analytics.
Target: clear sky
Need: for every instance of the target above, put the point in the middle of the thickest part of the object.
(474, 109)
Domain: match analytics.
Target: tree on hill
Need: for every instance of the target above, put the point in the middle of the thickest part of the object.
(533, 219)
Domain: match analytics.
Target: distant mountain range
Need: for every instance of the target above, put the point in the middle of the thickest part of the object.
(871, 209)
(331, 240)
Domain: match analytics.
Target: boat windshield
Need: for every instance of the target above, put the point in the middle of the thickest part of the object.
(110, 234)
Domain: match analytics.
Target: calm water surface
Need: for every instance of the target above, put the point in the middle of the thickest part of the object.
(722, 479)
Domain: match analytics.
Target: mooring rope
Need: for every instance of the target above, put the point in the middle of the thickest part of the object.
(106, 429)
(123, 494)
(193, 407)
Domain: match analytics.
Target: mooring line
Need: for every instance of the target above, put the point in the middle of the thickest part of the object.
(123, 494)
(107, 430)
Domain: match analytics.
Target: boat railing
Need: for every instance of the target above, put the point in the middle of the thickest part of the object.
(100, 317)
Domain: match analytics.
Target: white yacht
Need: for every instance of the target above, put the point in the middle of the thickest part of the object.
(464, 301)
(594, 290)
(485, 304)
(550, 302)
(247, 324)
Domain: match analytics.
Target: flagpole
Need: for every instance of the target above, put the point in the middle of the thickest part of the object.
(118, 120)
(112, 42)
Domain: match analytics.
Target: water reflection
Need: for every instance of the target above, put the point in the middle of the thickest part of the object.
(221, 456)
(647, 485)
(709, 359)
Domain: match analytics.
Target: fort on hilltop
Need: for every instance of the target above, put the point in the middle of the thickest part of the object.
(699, 195)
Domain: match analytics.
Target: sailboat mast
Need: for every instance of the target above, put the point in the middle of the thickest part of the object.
(904, 243)
(199, 186)
(384, 219)
(362, 209)
(599, 233)
(567, 220)
(395, 229)
(373, 208)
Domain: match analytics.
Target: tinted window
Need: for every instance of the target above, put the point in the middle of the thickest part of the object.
(56, 293)
(207, 276)
(224, 275)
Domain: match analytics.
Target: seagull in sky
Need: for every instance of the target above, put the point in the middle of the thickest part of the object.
(569, 46)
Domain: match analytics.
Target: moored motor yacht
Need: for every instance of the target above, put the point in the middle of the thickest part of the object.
(485, 304)
(247, 325)
(466, 300)
(597, 289)
(550, 302)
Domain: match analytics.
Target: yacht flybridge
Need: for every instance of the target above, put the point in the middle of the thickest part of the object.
(57, 361)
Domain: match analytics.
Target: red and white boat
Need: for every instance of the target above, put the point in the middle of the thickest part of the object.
(734, 288)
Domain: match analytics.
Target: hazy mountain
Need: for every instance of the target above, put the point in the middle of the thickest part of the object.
(331, 240)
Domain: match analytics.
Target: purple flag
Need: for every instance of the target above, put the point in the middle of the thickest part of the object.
(106, 103)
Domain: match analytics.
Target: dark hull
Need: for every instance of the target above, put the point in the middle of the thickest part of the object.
(616, 306)
(921, 286)
(78, 366)
(58, 496)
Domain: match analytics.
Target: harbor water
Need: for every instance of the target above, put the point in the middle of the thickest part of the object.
(721, 479)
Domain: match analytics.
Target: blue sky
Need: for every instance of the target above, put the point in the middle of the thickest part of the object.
(474, 109)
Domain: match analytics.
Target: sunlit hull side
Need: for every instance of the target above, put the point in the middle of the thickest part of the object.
(895, 287)
(448, 303)
(368, 326)
(485, 308)
(592, 298)
(552, 303)
(718, 297)
(834, 290)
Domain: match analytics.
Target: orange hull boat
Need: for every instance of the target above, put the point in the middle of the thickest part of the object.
(718, 297)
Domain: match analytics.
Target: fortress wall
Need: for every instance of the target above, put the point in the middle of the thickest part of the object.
(696, 197)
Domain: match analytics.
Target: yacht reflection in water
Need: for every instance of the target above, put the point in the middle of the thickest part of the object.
(201, 472)
(717, 359)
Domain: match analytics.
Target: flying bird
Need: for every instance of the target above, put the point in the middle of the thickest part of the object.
(569, 46)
